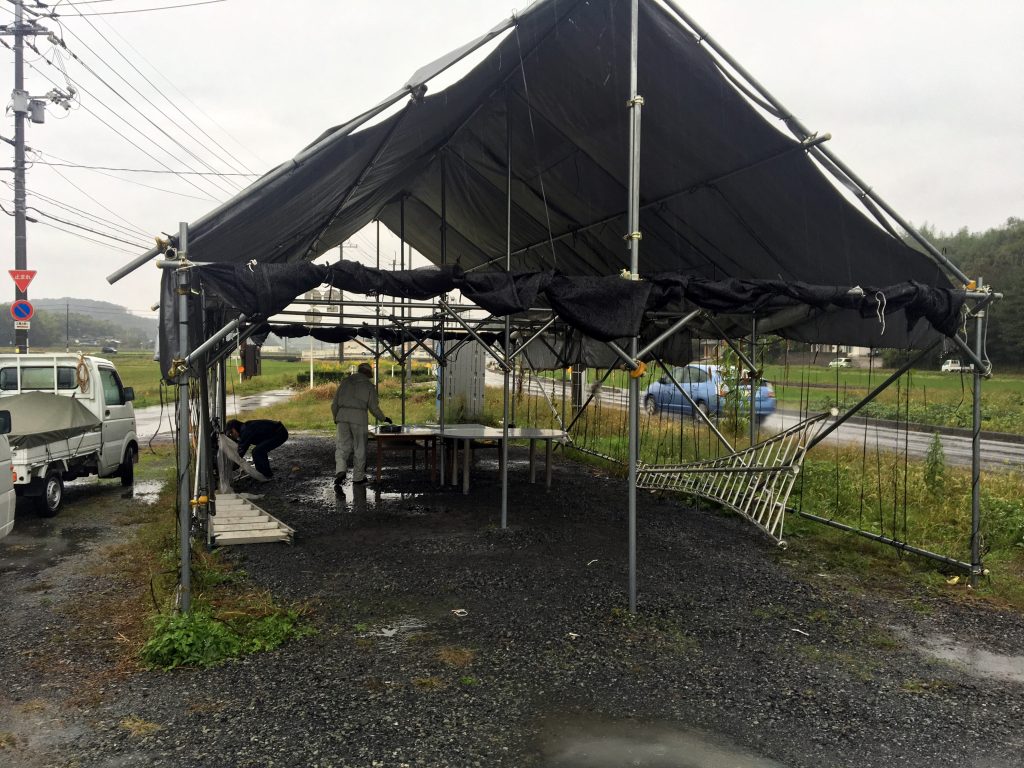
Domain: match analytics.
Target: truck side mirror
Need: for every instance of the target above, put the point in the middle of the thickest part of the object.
(5, 422)
(129, 394)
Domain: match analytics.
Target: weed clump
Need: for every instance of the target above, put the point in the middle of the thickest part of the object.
(201, 639)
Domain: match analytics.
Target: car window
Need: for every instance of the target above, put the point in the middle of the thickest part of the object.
(113, 394)
(698, 375)
(38, 377)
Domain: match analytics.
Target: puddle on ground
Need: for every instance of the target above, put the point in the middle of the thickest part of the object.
(146, 491)
(394, 636)
(612, 744)
(975, 661)
(359, 498)
(37, 544)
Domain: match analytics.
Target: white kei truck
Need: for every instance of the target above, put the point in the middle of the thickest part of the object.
(69, 417)
(7, 496)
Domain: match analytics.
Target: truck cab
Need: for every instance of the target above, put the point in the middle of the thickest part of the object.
(110, 448)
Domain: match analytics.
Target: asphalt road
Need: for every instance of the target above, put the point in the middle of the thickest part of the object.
(996, 454)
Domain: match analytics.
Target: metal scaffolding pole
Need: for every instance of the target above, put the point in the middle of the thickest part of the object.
(184, 496)
(633, 236)
(508, 322)
(440, 343)
(401, 265)
(753, 380)
(979, 350)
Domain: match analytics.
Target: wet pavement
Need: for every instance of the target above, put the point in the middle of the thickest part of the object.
(155, 422)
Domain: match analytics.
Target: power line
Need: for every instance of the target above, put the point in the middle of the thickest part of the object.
(142, 114)
(108, 209)
(84, 237)
(86, 229)
(142, 95)
(185, 97)
(131, 230)
(130, 63)
(90, 217)
(146, 152)
(146, 10)
(144, 170)
(118, 178)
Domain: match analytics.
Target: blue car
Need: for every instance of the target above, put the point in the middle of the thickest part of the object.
(707, 388)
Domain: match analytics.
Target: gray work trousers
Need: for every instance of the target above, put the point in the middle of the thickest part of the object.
(351, 439)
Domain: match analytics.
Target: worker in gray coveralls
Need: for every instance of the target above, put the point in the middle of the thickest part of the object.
(355, 396)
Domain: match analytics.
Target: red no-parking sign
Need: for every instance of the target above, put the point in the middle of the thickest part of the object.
(22, 310)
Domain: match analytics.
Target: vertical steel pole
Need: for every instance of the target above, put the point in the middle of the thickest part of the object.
(223, 471)
(20, 209)
(401, 244)
(508, 319)
(979, 349)
(376, 342)
(184, 497)
(753, 381)
(440, 343)
(633, 235)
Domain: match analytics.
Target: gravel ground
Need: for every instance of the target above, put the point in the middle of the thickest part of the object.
(446, 641)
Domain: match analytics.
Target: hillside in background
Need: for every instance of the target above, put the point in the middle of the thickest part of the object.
(82, 323)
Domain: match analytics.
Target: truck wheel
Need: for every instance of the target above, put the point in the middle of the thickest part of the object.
(52, 498)
(127, 471)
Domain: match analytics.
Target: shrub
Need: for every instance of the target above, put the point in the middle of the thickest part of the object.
(200, 639)
(935, 465)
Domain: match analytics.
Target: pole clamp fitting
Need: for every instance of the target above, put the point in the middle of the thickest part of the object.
(636, 101)
(640, 370)
(633, 236)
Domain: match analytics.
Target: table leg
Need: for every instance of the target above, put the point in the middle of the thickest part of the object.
(465, 466)
(547, 464)
(380, 450)
(433, 459)
(533, 463)
(454, 459)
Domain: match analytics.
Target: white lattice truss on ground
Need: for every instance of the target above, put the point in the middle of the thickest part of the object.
(755, 482)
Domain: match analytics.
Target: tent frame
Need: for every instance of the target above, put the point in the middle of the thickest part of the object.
(813, 144)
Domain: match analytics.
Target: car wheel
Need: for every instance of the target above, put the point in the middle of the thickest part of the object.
(650, 406)
(127, 471)
(52, 499)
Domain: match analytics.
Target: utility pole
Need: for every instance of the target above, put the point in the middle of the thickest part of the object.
(23, 105)
(20, 99)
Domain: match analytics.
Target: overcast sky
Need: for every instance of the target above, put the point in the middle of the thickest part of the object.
(923, 99)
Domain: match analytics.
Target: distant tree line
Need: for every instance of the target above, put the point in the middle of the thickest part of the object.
(997, 256)
(54, 329)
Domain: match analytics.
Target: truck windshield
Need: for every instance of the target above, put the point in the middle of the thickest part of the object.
(38, 377)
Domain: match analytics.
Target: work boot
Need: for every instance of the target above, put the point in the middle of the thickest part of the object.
(339, 479)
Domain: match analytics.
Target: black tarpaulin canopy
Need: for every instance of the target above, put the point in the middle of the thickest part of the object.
(724, 194)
